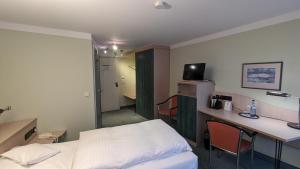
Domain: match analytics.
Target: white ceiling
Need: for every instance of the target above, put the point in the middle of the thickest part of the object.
(137, 22)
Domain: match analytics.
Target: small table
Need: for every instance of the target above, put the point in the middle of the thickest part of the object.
(56, 136)
(131, 96)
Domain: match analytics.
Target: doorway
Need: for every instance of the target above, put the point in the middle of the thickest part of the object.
(109, 84)
(118, 88)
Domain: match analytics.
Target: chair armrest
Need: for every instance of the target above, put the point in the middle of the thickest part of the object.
(167, 100)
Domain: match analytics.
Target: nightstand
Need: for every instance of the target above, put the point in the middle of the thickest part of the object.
(56, 137)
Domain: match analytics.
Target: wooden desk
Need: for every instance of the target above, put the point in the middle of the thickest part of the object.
(272, 128)
(16, 133)
(130, 96)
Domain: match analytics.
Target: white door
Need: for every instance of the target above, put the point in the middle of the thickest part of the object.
(109, 85)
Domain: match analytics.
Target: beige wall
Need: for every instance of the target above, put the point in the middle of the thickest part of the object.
(126, 76)
(224, 58)
(45, 77)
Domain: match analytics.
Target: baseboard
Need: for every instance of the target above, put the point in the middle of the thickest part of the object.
(127, 106)
(271, 160)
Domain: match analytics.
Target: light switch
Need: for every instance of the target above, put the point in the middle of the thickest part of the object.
(86, 94)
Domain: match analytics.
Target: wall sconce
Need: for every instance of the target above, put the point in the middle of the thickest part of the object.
(5, 109)
(279, 94)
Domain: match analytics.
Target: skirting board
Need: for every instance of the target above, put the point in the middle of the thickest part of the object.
(128, 106)
(264, 157)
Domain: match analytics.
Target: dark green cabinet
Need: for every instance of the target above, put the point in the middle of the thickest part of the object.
(192, 96)
(186, 116)
(144, 83)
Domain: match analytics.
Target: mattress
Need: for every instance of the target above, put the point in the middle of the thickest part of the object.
(64, 160)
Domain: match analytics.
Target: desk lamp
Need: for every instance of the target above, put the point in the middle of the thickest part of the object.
(280, 94)
(296, 125)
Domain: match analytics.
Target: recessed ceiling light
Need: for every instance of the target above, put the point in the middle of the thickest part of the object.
(160, 4)
(115, 47)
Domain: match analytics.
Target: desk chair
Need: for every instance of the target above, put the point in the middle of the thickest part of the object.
(171, 110)
(230, 139)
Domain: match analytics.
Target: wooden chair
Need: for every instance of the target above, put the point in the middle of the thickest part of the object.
(171, 110)
(229, 138)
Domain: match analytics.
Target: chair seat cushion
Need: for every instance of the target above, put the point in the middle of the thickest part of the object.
(166, 112)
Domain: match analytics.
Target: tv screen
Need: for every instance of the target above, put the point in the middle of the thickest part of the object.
(194, 71)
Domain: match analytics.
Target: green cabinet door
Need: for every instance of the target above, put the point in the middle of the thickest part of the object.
(145, 83)
(186, 117)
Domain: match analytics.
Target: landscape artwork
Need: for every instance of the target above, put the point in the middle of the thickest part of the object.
(262, 75)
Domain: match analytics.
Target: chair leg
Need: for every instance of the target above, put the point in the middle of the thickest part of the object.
(209, 160)
(219, 154)
(252, 156)
(238, 161)
(252, 152)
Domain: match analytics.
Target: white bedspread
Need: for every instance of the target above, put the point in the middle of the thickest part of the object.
(128, 145)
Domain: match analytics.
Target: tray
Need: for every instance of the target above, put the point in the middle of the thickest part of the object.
(248, 115)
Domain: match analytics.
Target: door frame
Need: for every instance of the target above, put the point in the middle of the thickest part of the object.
(97, 88)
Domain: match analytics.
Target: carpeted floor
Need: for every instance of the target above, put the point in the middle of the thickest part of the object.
(121, 117)
(223, 160)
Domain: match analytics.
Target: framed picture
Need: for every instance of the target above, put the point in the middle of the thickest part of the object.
(265, 75)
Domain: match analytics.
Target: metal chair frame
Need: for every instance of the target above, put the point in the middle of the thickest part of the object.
(170, 109)
(242, 132)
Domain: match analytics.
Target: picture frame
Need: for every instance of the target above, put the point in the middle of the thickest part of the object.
(263, 75)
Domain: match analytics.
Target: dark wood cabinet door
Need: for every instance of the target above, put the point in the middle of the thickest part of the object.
(145, 83)
(186, 116)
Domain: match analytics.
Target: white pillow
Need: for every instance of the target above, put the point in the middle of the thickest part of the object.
(30, 154)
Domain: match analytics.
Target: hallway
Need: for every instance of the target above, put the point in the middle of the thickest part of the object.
(121, 117)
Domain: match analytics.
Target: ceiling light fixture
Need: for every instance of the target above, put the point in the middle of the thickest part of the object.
(115, 47)
(105, 51)
(160, 4)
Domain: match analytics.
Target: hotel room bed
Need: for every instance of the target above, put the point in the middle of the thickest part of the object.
(92, 147)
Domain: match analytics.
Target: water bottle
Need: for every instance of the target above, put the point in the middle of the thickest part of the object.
(253, 108)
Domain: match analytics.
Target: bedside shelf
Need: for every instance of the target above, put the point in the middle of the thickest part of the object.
(57, 136)
(16, 133)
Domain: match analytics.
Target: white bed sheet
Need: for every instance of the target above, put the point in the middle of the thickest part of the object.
(187, 160)
(63, 160)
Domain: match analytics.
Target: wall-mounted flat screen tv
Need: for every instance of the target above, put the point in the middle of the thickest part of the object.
(194, 71)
